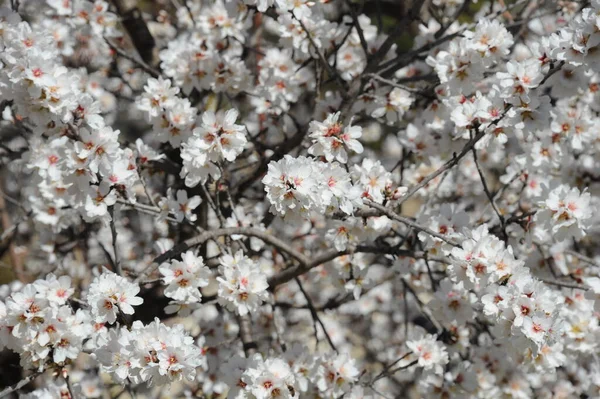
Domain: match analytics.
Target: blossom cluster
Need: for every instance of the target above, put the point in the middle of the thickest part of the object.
(276, 198)
(242, 285)
(153, 353)
(294, 192)
(109, 295)
(39, 324)
(291, 376)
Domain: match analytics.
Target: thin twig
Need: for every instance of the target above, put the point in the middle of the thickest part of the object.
(140, 63)
(315, 315)
(409, 222)
(333, 73)
(564, 285)
(489, 194)
(384, 372)
(113, 230)
(19, 385)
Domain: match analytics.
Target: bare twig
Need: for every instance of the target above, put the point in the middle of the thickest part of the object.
(315, 315)
(384, 372)
(392, 215)
(248, 342)
(448, 165)
(564, 285)
(489, 194)
(140, 63)
(113, 230)
(332, 72)
(19, 385)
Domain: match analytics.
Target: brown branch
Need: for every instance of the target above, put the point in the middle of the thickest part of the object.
(448, 165)
(564, 285)
(386, 370)
(140, 63)
(489, 195)
(19, 385)
(315, 316)
(8, 232)
(332, 72)
(214, 234)
(392, 215)
(248, 342)
(113, 230)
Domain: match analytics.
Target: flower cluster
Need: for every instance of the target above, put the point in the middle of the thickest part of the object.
(331, 139)
(429, 353)
(185, 278)
(153, 353)
(180, 205)
(296, 187)
(242, 285)
(565, 213)
(226, 198)
(110, 295)
(218, 139)
(521, 304)
(293, 376)
(74, 154)
(172, 118)
(38, 323)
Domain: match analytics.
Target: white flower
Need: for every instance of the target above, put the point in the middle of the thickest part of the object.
(146, 153)
(182, 206)
(98, 199)
(336, 374)
(372, 178)
(220, 137)
(110, 293)
(394, 105)
(291, 186)
(331, 139)
(519, 79)
(158, 96)
(566, 212)
(242, 285)
(452, 303)
(37, 323)
(269, 379)
(429, 353)
(55, 290)
(155, 353)
(197, 166)
(491, 39)
(184, 278)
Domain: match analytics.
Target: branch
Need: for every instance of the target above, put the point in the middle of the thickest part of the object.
(581, 257)
(332, 72)
(248, 342)
(140, 63)
(359, 29)
(385, 372)
(113, 230)
(315, 316)
(564, 285)
(403, 24)
(409, 222)
(395, 84)
(448, 165)
(489, 194)
(19, 385)
(213, 234)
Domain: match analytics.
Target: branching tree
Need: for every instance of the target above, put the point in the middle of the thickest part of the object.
(284, 199)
